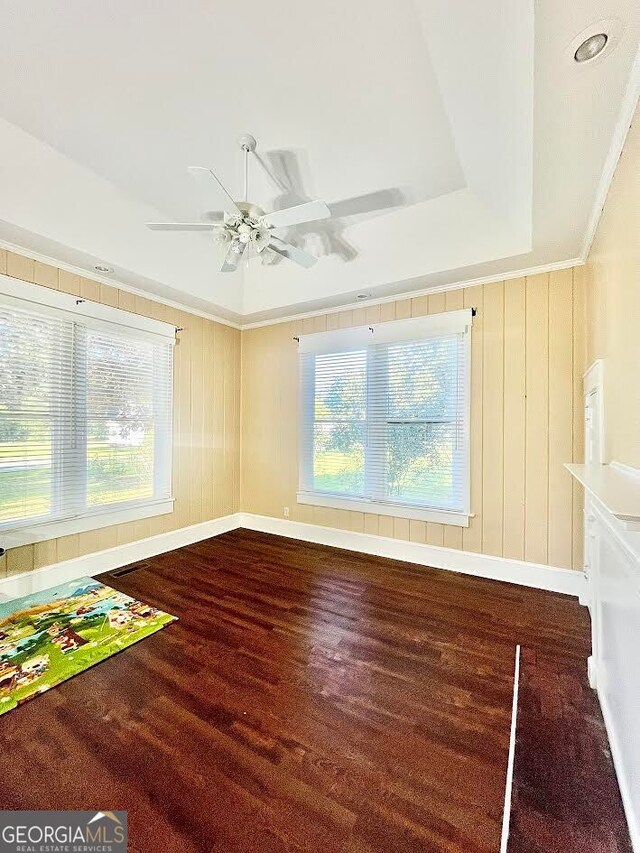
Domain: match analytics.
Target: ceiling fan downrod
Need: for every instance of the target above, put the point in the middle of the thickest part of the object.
(247, 144)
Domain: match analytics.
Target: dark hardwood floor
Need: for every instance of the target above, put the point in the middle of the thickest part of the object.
(309, 699)
(565, 793)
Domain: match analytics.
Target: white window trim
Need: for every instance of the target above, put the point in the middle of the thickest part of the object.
(94, 315)
(34, 532)
(458, 519)
(435, 325)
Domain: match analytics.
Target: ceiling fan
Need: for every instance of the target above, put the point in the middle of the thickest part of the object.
(241, 225)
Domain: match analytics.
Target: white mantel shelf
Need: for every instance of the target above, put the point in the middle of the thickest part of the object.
(615, 486)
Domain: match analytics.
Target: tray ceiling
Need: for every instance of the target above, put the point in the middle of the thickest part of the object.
(449, 141)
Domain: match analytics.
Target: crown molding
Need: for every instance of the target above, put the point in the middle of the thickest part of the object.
(426, 291)
(112, 281)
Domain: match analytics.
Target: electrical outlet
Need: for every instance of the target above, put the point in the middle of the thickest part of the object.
(285, 511)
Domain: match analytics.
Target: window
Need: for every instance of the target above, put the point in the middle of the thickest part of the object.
(385, 418)
(85, 414)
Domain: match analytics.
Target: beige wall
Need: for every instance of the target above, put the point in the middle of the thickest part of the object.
(528, 357)
(206, 473)
(613, 297)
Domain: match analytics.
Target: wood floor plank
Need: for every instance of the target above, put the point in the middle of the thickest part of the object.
(307, 699)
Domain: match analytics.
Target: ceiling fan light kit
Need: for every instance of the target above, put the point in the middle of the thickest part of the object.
(243, 226)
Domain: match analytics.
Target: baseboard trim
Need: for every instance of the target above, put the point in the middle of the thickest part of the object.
(113, 558)
(566, 581)
(465, 562)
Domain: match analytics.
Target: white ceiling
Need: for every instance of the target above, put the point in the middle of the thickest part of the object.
(478, 146)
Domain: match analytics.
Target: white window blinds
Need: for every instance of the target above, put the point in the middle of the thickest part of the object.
(385, 416)
(85, 413)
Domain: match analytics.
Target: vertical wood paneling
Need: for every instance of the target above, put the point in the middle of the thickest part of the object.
(385, 526)
(21, 267)
(206, 372)
(579, 367)
(512, 461)
(514, 418)
(560, 417)
(419, 306)
(472, 535)
(401, 528)
(90, 290)
(69, 282)
(287, 458)
(418, 530)
(196, 422)
(20, 560)
(333, 322)
(519, 495)
(537, 420)
(206, 383)
(372, 315)
(371, 523)
(182, 440)
(387, 311)
(126, 301)
(218, 421)
(403, 309)
(45, 553)
(356, 522)
(45, 275)
(493, 418)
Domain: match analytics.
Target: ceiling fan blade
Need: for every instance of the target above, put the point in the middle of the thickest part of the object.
(211, 185)
(232, 259)
(308, 212)
(182, 226)
(293, 253)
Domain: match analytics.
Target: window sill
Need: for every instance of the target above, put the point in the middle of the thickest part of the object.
(45, 530)
(440, 516)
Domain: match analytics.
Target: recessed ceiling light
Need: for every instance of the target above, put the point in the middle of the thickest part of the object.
(102, 268)
(591, 47)
(594, 43)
